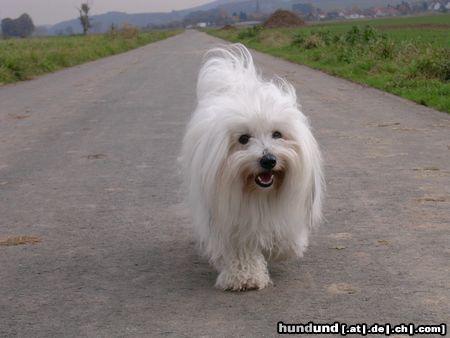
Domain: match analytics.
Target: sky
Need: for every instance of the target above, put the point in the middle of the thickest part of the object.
(54, 11)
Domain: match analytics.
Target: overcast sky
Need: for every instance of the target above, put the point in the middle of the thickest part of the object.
(54, 11)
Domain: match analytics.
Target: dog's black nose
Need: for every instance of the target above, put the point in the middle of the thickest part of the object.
(268, 161)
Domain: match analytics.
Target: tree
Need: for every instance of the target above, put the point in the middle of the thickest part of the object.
(85, 20)
(242, 16)
(21, 27)
(8, 27)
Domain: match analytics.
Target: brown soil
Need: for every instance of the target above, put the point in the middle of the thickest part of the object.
(19, 240)
(95, 157)
(283, 18)
(228, 28)
(19, 117)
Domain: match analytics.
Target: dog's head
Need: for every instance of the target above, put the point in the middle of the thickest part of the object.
(263, 151)
(248, 136)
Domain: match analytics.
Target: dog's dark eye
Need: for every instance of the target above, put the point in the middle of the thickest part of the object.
(244, 139)
(277, 134)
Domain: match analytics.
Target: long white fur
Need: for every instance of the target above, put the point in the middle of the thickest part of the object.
(239, 229)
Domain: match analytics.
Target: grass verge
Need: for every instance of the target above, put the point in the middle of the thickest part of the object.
(409, 57)
(24, 59)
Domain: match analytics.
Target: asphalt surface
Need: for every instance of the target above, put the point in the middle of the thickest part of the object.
(88, 167)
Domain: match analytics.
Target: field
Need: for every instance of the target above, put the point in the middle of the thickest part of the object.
(407, 56)
(23, 59)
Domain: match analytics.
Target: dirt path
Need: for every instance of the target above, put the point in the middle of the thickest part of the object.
(87, 169)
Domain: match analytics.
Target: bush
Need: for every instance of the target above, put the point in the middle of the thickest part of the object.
(347, 55)
(354, 38)
(298, 40)
(366, 35)
(434, 66)
(383, 49)
(326, 37)
(313, 41)
(125, 32)
(353, 35)
(128, 31)
(249, 33)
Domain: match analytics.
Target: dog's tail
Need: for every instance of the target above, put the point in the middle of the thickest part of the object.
(225, 68)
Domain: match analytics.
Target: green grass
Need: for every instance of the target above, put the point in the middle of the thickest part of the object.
(408, 56)
(24, 59)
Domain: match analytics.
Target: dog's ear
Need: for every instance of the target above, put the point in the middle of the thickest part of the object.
(316, 187)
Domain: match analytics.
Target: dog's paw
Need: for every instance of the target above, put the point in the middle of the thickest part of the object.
(240, 282)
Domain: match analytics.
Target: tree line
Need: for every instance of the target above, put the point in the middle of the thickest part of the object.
(23, 26)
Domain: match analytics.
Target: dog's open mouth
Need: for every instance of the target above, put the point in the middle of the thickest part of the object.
(265, 179)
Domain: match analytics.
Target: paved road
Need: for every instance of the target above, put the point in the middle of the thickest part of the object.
(87, 165)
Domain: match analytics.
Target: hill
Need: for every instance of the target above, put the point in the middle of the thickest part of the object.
(103, 22)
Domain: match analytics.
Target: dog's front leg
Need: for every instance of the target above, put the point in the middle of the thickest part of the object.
(242, 271)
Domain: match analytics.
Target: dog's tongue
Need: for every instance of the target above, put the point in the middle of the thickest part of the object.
(265, 177)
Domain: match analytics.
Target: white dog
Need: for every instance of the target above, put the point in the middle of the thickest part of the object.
(252, 167)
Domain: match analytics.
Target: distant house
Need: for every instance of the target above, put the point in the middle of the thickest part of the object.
(385, 11)
(202, 24)
(350, 14)
(354, 16)
(437, 6)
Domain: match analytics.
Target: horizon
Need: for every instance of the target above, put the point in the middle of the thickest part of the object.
(47, 12)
